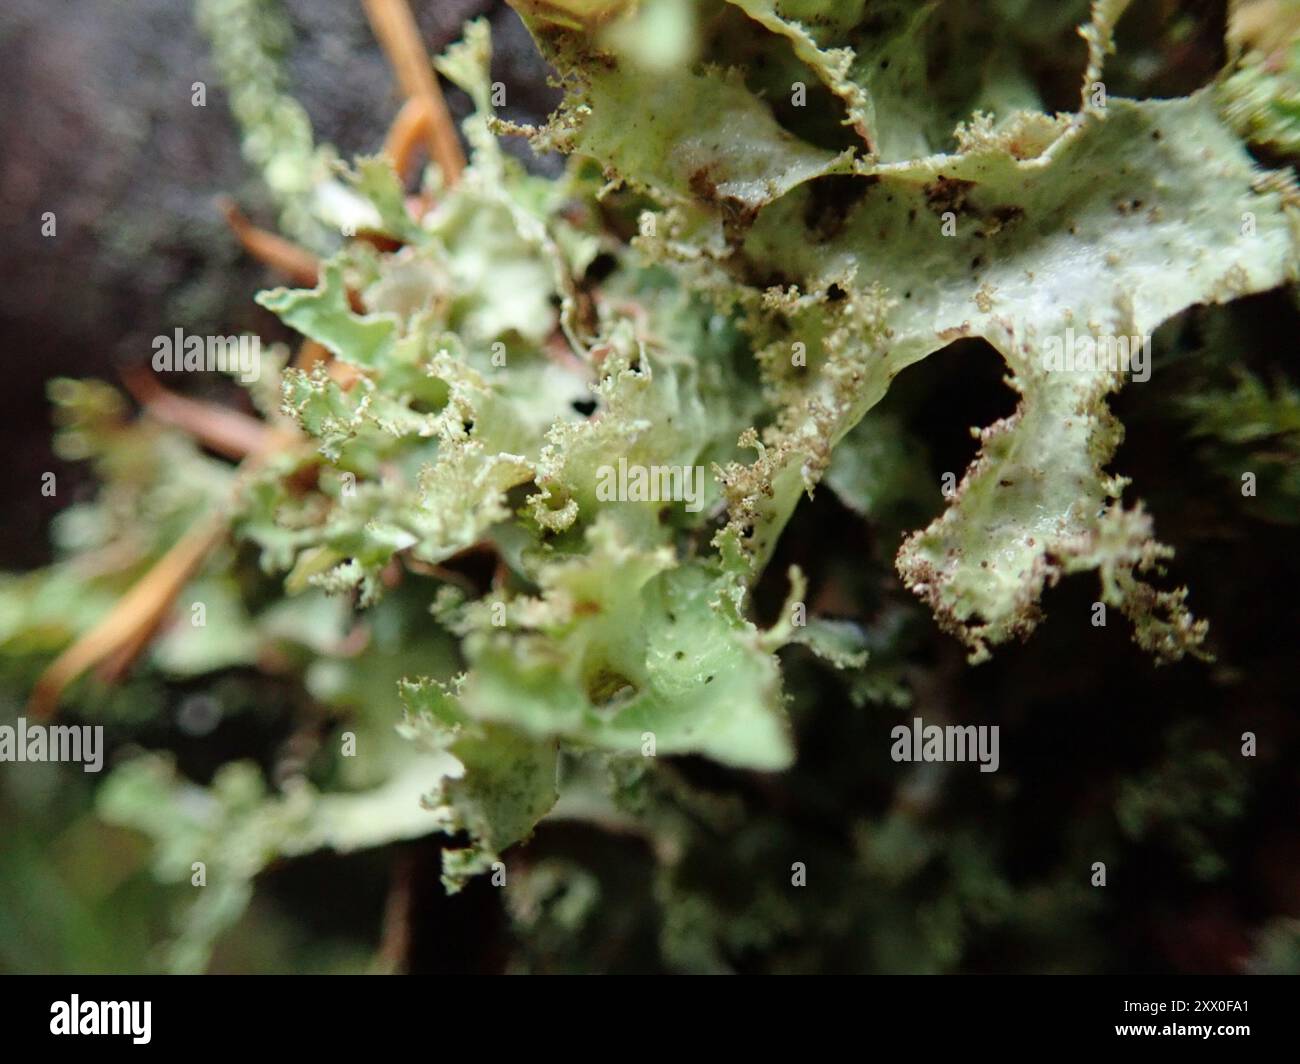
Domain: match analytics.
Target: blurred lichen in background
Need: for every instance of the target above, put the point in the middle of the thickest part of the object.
(385, 600)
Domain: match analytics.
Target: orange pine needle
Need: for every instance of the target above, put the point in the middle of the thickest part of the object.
(284, 255)
(344, 375)
(126, 628)
(411, 125)
(308, 354)
(274, 250)
(311, 354)
(118, 639)
(395, 28)
(225, 431)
